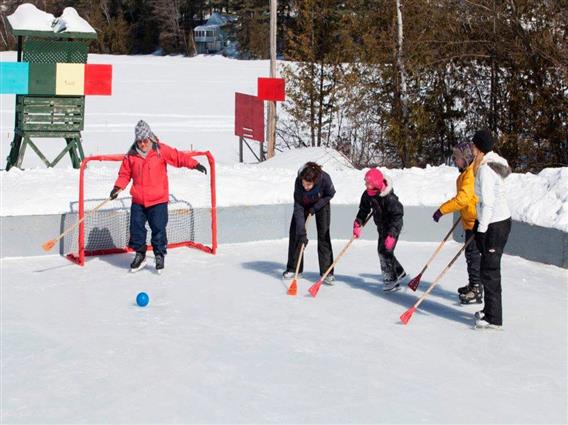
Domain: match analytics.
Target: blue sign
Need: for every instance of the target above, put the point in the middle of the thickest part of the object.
(14, 77)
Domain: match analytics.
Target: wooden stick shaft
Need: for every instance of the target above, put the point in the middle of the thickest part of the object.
(439, 277)
(440, 246)
(299, 260)
(83, 219)
(343, 251)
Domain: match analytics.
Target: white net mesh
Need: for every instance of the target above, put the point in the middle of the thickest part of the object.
(107, 229)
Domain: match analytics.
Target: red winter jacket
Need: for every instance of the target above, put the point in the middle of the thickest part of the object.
(149, 175)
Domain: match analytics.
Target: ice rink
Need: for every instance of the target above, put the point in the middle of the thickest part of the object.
(221, 342)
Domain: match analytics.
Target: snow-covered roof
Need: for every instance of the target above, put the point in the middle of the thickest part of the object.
(29, 20)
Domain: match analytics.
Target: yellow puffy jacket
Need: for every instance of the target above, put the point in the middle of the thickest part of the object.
(465, 199)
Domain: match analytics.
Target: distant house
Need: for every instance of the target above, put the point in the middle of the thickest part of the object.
(212, 37)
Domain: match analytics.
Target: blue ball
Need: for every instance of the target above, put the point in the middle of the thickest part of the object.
(142, 299)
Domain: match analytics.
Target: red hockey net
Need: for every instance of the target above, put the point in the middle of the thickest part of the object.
(192, 215)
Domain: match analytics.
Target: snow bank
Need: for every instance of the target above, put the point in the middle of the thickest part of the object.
(535, 199)
(30, 18)
(189, 103)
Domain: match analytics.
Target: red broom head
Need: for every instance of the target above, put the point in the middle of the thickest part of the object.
(315, 288)
(293, 289)
(48, 245)
(413, 284)
(405, 317)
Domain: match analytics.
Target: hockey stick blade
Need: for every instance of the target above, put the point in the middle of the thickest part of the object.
(315, 288)
(405, 317)
(293, 289)
(413, 284)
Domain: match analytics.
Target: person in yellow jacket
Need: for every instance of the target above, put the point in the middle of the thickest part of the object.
(464, 202)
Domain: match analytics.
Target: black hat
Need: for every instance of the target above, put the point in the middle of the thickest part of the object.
(483, 140)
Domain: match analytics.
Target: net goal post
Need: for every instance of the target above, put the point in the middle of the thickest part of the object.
(192, 211)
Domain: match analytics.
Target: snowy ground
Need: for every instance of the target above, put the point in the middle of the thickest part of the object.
(189, 103)
(221, 342)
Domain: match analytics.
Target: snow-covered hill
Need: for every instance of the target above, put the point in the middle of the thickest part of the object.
(189, 102)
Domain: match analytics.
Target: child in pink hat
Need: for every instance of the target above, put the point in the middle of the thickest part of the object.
(380, 200)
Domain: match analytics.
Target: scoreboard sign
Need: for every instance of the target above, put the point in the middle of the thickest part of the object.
(249, 117)
(271, 89)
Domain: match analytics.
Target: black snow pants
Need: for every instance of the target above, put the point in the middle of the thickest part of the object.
(473, 260)
(495, 241)
(390, 267)
(325, 251)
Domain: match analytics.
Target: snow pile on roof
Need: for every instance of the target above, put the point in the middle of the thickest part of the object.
(330, 159)
(27, 17)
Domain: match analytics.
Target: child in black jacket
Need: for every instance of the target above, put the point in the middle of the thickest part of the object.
(313, 189)
(379, 198)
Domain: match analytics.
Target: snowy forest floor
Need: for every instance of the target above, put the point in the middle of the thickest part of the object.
(221, 342)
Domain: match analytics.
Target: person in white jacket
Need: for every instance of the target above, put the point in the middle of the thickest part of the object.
(493, 224)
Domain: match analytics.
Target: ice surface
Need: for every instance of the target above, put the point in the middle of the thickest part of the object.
(221, 342)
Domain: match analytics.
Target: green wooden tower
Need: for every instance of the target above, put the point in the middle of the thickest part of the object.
(47, 113)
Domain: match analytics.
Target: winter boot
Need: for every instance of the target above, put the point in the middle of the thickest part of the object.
(479, 315)
(464, 289)
(391, 285)
(473, 296)
(159, 263)
(484, 324)
(289, 274)
(329, 280)
(138, 263)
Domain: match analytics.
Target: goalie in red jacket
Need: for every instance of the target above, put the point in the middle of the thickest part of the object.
(146, 165)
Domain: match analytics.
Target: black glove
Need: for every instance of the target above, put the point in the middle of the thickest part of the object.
(303, 240)
(480, 241)
(437, 215)
(201, 168)
(114, 192)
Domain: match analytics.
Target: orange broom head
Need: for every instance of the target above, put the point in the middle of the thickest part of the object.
(48, 245)
(293, 289)
(405, 317)
(315, 288)
(413, 284)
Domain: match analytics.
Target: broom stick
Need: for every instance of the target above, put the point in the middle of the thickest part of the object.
(293, 289)
(405, 317)
(413, 284)
(47, 246)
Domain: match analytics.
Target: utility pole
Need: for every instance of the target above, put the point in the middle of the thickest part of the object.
(272, 104)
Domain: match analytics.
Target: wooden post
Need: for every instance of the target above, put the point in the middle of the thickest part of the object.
(272, 104)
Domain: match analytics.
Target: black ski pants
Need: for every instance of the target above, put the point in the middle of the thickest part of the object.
(491, 252)
(473, 260)
(325, 251)
(390, 267)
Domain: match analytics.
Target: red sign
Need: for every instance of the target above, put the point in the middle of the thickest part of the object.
(249, 117)
(272, 89)
(98, 79)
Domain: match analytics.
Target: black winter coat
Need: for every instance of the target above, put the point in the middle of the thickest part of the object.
(387, 211)
(317, 198)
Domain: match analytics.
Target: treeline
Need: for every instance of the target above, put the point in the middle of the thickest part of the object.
(166, 26)
(400, 82)
(389, 82)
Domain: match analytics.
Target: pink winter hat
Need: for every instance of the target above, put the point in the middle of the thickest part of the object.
(375, 178)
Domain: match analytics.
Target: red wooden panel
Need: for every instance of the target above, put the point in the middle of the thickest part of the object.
(271, 89)
(98, 79)
(249, 117)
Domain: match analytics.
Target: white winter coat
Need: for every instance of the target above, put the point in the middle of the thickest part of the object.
(490, 190)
